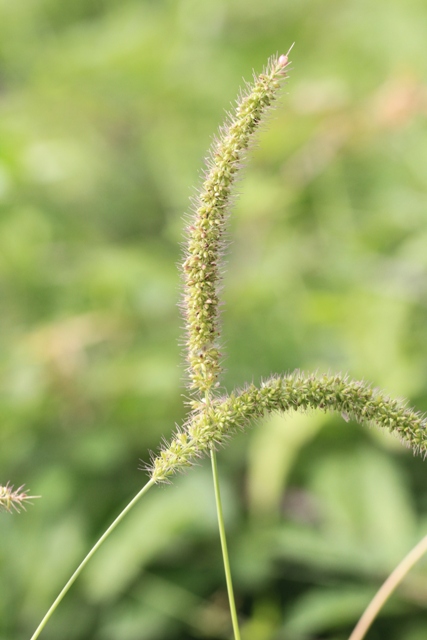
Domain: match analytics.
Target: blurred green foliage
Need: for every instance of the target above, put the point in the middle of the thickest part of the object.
(106, 111)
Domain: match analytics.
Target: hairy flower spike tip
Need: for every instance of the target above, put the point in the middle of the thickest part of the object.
(11, 498)
(288, 393)
(201, 267)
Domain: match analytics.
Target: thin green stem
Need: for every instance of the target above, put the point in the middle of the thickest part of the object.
(228, 579)
(84, 562)
(387, 589)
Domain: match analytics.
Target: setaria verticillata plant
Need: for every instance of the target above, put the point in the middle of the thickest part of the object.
(214, 417)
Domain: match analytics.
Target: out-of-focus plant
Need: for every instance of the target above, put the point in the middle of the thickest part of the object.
(14, 499)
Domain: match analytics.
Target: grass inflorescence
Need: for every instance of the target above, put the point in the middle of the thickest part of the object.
(201, 268)
(213, 419)
(293, 392)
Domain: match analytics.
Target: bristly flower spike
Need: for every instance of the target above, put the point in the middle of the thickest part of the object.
(11, 498)
(201, 268)
(294, 392)
(213, 419)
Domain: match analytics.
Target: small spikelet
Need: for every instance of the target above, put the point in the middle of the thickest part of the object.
(201, 268)
(11, 498)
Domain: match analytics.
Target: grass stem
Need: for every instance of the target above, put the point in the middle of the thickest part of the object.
(387, 589)
(228, 579)
(84, 562)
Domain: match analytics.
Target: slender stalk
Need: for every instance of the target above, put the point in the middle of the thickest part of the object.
(228, 579)
(84, 562)
(387, 589)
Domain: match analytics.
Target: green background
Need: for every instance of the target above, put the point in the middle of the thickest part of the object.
(107, 109)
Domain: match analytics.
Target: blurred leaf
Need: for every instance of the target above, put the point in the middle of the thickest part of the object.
(324, 609)
(273, 451)
(169, 521)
